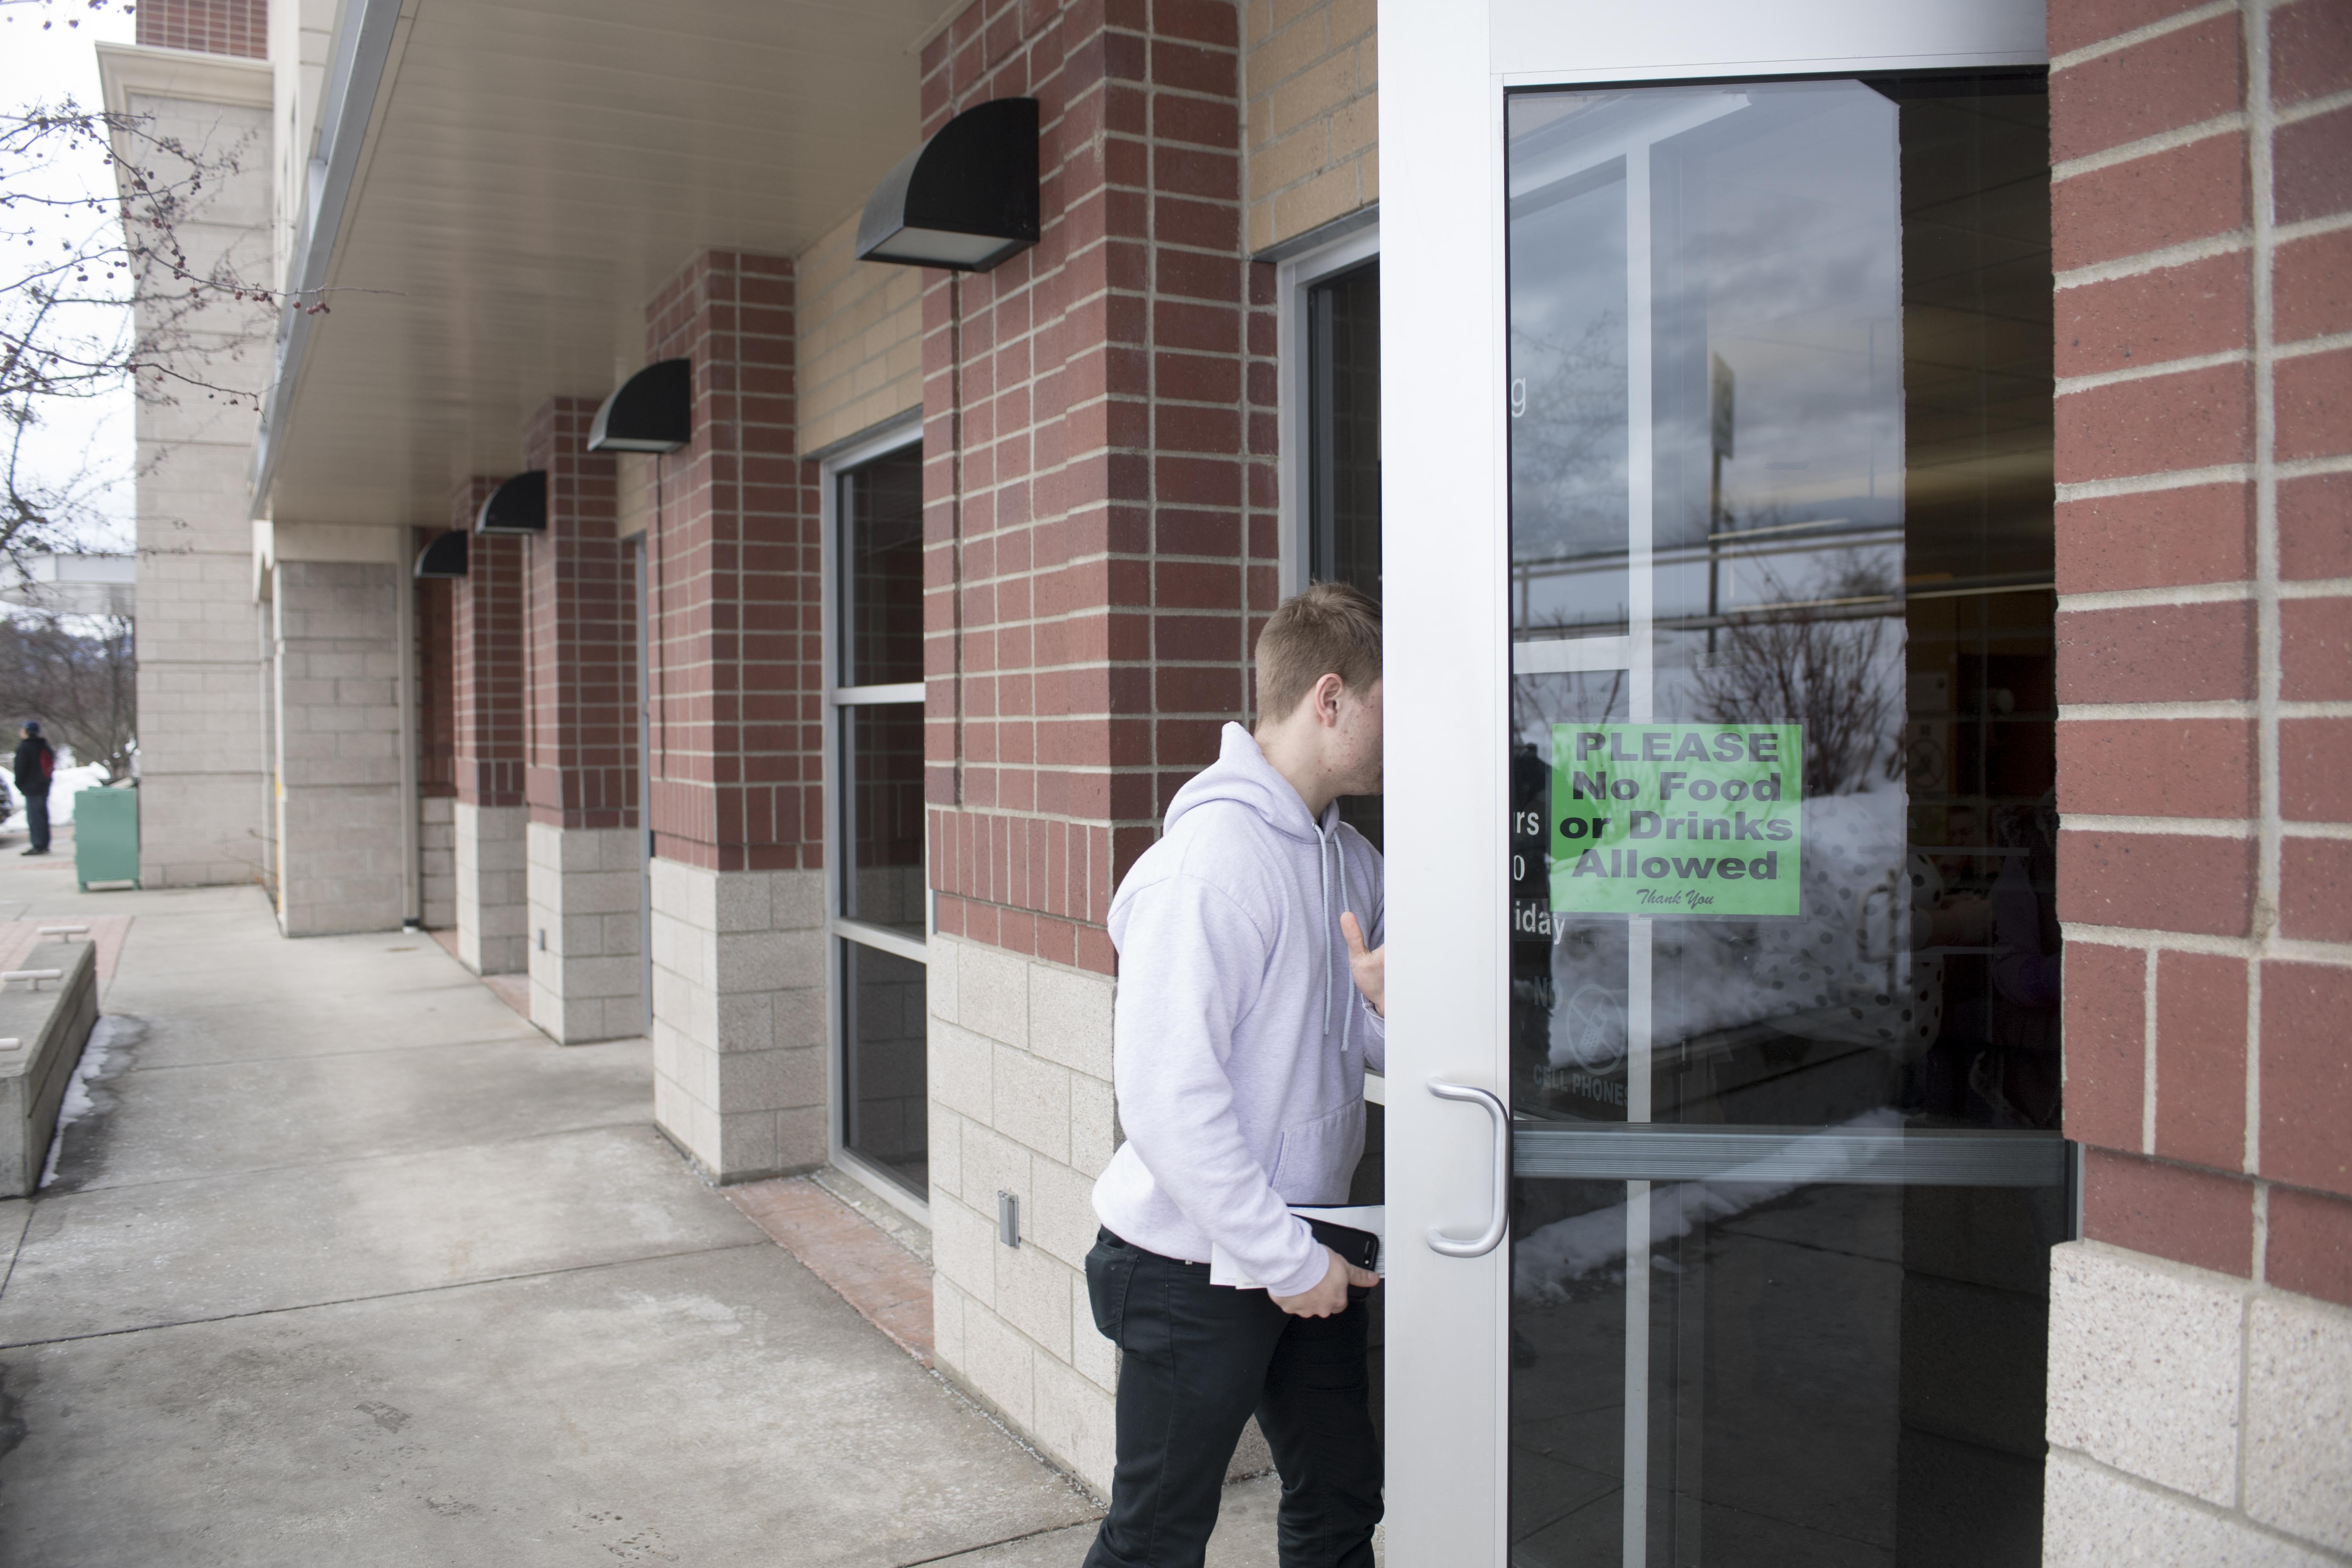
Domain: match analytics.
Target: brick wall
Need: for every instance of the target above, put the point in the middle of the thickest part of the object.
(488, 699)
(859, 358)
(1312, 84)
(208, 26)
(2205, 454)
(735, 577)
(1099, 488)
(436, 742)
(487, 638)
(580, 767)
(436, 679)
(733, 557)
(2202, 221)
(1100, 534)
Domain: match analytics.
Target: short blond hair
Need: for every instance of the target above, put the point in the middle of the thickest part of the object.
(1330, 629)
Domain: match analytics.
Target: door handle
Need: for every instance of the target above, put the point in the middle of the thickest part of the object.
(1499, 1218)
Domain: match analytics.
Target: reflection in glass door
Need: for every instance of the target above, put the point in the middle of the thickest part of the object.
(1784, 957)
(879, 899)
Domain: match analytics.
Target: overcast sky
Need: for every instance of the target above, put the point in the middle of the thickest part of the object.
(40, 67)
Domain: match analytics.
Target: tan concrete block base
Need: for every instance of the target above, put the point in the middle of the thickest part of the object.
(491, 861)
(740, 1031)
(2195, 1418)
(587, 889)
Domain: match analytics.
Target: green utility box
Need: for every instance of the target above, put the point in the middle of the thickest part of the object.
(106, 836)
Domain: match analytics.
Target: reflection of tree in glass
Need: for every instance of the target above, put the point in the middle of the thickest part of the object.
(1539, 701)
(1809, 665)
(1568, 441)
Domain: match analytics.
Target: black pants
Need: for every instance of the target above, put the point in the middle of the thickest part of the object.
(1199, 1359)
(36, 817)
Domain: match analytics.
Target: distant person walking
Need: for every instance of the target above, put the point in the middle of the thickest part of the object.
(34, 762)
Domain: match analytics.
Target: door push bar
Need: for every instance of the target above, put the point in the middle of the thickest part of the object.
(1499, 1218)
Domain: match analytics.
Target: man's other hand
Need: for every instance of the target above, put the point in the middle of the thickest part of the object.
(1329, 1298)
(1369, 968)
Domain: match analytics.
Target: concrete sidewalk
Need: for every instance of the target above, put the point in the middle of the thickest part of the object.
(349, 1265)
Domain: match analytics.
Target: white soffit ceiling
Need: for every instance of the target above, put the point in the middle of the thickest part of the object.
(538, 169)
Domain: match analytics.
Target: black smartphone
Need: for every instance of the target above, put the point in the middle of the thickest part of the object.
(1360, 1247)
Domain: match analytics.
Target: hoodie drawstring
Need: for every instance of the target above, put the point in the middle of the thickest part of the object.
(1326, 849)
(1323, 889)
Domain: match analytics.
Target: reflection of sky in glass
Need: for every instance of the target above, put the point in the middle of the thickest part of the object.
(1775, 252)
(1568, 371)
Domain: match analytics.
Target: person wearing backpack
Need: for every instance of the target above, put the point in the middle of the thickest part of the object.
(35, 762)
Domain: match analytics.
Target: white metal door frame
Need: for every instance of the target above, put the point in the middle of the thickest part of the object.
(1446, 552)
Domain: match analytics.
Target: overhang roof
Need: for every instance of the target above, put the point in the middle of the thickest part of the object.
(534, 170)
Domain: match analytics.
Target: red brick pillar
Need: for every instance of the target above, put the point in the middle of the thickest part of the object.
(737, 741)
(1100, 527)
(584, 852)
(436, 742)
(2204, 449)
(486, 643)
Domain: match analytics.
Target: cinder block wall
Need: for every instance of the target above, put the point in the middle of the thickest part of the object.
(1021, 1103)
(1311, 77)
(1099, 523)
(202, 681)
(2201, 1339)
(338, 657)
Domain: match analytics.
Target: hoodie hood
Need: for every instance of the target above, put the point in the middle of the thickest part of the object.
(1242, 775)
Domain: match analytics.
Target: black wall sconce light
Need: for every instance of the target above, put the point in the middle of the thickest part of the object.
(653, 411)
(518, 506)
(964, 200)
(445, 555)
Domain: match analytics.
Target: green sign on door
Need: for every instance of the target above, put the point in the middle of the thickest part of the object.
(1703, 819)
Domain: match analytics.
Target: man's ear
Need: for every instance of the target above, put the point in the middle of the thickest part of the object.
(1328, 688)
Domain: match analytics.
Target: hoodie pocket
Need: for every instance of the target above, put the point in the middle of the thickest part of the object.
(1314, 1161)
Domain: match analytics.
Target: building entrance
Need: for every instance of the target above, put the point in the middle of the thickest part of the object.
(1774, 1095)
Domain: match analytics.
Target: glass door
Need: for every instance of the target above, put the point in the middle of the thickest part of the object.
(1783, 1068)
(1761, 754)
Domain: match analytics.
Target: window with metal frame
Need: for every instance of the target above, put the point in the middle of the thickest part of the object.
(879, 919)
(1335, 505)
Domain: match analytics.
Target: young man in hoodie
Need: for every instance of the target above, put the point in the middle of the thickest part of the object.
(1250, 989)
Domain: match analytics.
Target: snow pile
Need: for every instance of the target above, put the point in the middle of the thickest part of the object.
(64, 784)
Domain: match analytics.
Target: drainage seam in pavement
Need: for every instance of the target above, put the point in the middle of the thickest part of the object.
(339, 1056)
(384, 1296)
(328, 1056)
(17, 1249)
(1008, 1541)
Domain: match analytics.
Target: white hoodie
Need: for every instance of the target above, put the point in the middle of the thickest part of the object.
(1240, 1040)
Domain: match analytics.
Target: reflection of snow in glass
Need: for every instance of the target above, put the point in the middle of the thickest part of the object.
(1552, 1258)
(1843, 970)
